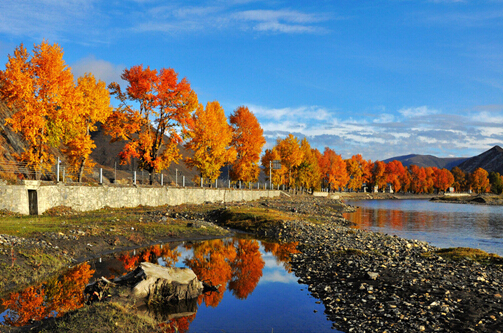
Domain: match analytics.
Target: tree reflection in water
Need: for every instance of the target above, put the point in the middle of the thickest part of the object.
(232, 264)
(53, 297)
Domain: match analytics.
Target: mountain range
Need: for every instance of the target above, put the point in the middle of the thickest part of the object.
(490, 160)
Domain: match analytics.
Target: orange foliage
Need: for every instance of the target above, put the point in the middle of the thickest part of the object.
(282, 252)
(248, 140)
(211, 140)
(165, 105)
(308, 173)
(333, 169)
(41, 89)
(56, 295)
(396, 174)
(479, 180)
(150, 254)
(355, 172)
(290, 154)
(212, 263)
(177, 325)
(94, 106)
(25, 306)
(246, 268)
(443, 179)
(278, 175)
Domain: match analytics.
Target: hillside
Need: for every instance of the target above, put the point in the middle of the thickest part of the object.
(491, 160)
(427, 161)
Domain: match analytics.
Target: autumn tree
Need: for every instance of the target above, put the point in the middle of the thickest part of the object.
(40, 88)
(379, 174)
(355, 172)
(246, 268)
(248, 140)
(211, 138)
(308, 173)
(290, 154)
(155, 129)
(333, 169)
(479, 180)
(279, 176)
(211, 262)
(94, 107)
(396, 174)
(443, 179)
(419, 184)
(496, 181)
(460, 182)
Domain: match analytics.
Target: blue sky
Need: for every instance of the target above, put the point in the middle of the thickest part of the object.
(379, 78)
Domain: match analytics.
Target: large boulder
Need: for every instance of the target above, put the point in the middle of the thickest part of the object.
(152, 281)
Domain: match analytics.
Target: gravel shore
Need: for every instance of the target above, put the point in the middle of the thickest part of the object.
(373, 282)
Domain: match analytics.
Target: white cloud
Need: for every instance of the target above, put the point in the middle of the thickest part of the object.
(40, 19)
(101, 69)
(421, 130)
(417, 111)
(278, 276)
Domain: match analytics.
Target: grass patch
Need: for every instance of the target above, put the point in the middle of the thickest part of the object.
(463, 253)
(252, 218)
(99, 318)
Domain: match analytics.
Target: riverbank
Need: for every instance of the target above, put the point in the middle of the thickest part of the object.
(367, 281)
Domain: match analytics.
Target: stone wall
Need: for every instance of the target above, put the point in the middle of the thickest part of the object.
(85, 198)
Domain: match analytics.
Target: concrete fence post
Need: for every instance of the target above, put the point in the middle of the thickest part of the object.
(258, 185)
(134, 177)
(183, 181)
(101, 175)
(57, 170)
(162, 180)
(216, 183)
(201, 182)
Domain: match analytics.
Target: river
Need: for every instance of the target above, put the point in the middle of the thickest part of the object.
(440, 224)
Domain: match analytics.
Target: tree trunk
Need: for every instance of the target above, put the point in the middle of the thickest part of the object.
(81, 169)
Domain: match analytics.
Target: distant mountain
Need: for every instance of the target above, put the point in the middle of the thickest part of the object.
(427, 161)
(491, 161)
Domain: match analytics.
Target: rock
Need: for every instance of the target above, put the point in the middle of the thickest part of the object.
(372, 275)
(151, 281)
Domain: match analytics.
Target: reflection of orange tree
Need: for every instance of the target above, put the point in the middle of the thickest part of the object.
(151, 254)
(282, 252)
(246, 268)
(177, 325)
(56, 295)
(212, 263)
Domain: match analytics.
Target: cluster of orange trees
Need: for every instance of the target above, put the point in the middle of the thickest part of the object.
(157, 112)
(306, 167)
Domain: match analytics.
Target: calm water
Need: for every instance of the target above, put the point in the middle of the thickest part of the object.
(441, 224)
(258, 293)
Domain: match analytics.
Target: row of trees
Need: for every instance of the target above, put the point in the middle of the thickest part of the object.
(303, 166)
(157, 112)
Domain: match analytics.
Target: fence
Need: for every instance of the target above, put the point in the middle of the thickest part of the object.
(16, 172)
